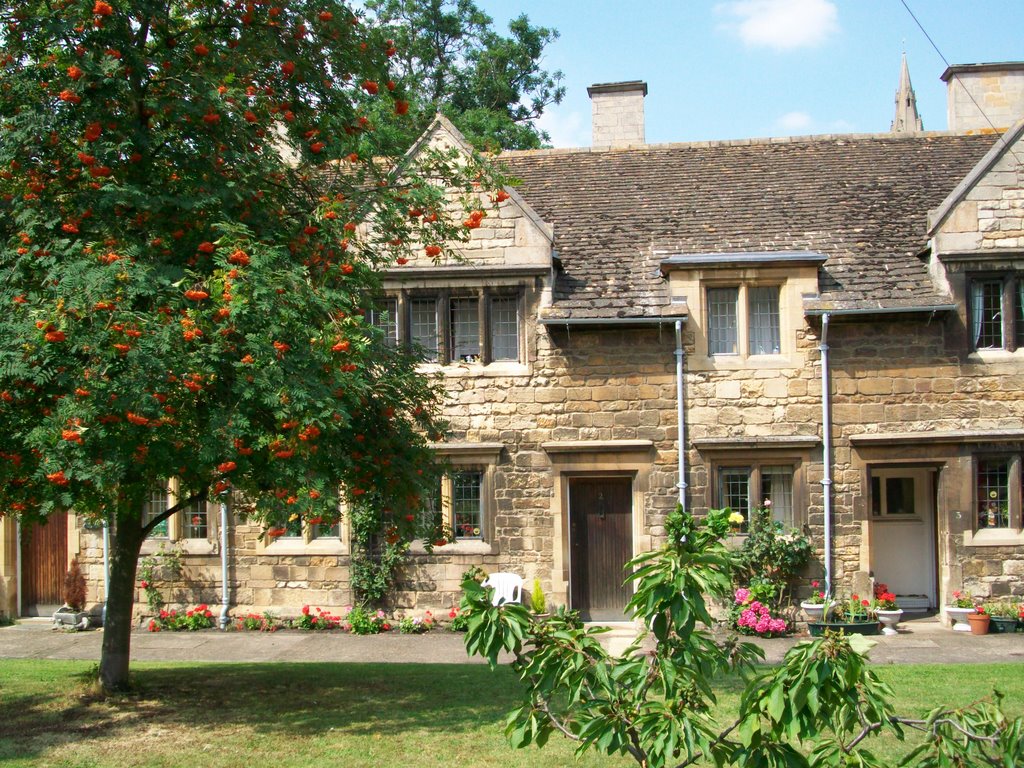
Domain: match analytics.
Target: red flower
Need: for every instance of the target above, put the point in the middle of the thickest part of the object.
(250, 116)
(305, 610)
(401, 107)
(341, 346)
(239, 257)
(326, 16)
(206, 247)
(227, 466)
(316, 147)
(54, 336)
(288, 68)
(201, 50)
(102, 9)
(70, 96)
(211, 117)
(195, 295)
(74, 72)
(93, 131)
(370, 87)
(433, 250)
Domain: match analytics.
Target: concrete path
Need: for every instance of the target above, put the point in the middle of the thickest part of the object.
(922, 640)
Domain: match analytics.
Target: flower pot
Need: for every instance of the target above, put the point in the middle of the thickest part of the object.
(817, 628)
(814, 611)
(958, 617)
(69, 617)
(979, 623)
(1002, 625)
(889, 620)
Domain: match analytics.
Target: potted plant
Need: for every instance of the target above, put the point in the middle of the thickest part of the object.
(886, 610)
(72, 613)
(959, 610)
(1003, 617)
(814, 606)
(852, 616)
(538, 602)
(978, 621)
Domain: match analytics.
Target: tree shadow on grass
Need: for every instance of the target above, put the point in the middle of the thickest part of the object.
(286, 700)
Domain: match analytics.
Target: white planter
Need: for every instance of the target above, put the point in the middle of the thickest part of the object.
(889, 620)
(958, 617)
(814, 611)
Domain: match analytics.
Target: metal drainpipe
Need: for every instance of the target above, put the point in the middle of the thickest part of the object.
(680, 416)
(17, 565)
(225, 594)
(106, 568)
(826, 429)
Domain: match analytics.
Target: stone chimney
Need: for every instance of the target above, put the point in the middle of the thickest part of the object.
(984, 98)
(617, 113)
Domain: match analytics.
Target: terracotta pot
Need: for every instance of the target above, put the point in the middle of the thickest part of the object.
(979, 623)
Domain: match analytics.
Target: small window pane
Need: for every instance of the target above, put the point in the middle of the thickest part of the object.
(987, 314)
(993, 493)
(1018, 310)
(876, 496)
(196, 521)
(466, 505)
(465, 330)
(764, 321)
(155, 506)
(505, 328)
(734, 491)
(777, 487)
(722, 338)
(423, 326)
(385, 319)
(318, 531)
(899, 496)
(293, 528)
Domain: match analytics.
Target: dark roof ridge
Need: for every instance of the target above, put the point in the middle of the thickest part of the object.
(757, 141)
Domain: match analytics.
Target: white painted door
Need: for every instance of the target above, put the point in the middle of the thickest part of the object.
(903, 533)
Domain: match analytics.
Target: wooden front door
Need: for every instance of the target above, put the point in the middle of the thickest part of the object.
(44, 563)
(600, 544)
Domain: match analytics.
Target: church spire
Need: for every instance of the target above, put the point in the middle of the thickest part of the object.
(906, 119)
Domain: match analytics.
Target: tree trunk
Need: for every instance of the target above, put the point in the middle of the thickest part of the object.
(117, 626)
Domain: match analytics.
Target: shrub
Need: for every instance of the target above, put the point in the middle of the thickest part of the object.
(538, 602)
(321, 620)
(359, 621)
(254, 622)
(200, 617)
(74, 587)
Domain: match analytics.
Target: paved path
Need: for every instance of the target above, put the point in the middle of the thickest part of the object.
(922, 640)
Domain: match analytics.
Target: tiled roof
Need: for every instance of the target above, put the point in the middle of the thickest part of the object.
(862, 201)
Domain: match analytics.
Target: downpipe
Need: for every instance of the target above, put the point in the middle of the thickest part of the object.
(826, 436)
(680, 415)
(224, 588)
(106, 568)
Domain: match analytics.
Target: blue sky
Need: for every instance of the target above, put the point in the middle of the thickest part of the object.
(730, 69)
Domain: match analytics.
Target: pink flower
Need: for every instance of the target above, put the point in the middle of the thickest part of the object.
(742, 595)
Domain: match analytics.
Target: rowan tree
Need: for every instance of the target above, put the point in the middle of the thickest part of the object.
(195, 208)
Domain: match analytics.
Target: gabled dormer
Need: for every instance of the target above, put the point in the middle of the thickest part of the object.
(470, 311)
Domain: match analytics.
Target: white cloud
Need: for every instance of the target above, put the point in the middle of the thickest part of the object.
(781, 24)
(794, 121)
(567, 128)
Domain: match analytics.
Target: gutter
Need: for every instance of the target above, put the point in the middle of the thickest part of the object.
(680, 415)
(608, 321)
(826, 437)
(932, 308)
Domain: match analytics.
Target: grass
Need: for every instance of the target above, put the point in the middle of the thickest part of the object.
(289, 715)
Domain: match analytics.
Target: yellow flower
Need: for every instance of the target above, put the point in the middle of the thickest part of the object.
(736, 518)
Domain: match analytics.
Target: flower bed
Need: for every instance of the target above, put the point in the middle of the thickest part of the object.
(750, 616)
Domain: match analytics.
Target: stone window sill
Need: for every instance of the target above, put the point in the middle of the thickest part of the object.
(455, 548)
(994, 537)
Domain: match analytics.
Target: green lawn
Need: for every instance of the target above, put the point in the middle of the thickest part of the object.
(283, 715)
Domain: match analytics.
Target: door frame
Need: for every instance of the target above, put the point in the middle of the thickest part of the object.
(569, 479)
(928, 475)
(632, 458)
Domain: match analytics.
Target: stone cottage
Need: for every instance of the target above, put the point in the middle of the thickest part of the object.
(832, 323)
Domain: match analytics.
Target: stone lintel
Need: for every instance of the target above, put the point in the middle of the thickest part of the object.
(960, 436)
(598, 446)
(746, 443)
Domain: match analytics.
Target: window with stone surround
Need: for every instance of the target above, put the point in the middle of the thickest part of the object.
(465, 326)
(458, 504)
(463, 501)
(997, 484)
(744, 487)
(996, 311)
(743, 320)
(192, 525)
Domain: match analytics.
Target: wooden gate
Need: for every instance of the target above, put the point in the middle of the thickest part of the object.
(44, 563)
(601, 543)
